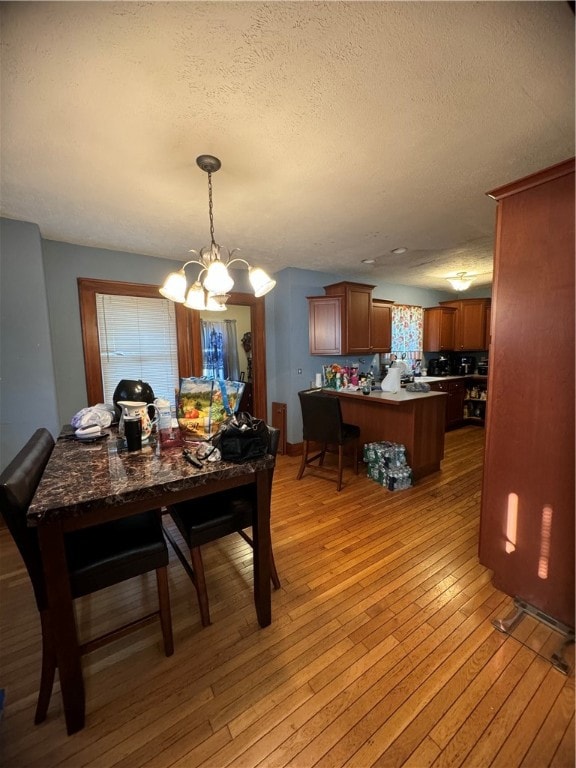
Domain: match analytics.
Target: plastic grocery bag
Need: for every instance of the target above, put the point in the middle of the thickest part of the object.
(100, 415)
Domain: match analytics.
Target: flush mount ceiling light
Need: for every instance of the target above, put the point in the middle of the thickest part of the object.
(460, 282)
(398, 251)
(211, 289)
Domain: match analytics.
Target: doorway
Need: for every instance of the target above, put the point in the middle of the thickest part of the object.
(255, 325)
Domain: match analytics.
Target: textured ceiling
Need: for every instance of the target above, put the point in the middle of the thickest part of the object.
(345, 129)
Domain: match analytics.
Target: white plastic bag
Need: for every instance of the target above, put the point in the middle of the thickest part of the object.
(99, 415)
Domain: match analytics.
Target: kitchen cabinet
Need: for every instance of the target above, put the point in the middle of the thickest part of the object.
(527, 507)
(414, 419)
(340, 323)
(381, 334)
(470, 323)
(456, 391)
(475, 400)
(325, 325)
(439, 323)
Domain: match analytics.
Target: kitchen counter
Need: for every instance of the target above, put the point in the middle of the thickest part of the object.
(391, 398)
(430, 379)
(415, 419)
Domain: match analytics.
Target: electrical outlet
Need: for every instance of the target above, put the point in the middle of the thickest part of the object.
(299, 371)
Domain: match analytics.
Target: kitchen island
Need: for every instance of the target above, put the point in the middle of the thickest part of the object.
(415, 419)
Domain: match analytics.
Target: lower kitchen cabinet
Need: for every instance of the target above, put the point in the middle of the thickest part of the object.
(476, 397)
(456, 390)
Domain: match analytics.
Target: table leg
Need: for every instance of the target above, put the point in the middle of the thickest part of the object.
(261, 534)
(63, 624)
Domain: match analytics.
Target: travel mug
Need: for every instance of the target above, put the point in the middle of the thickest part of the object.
(133, 433)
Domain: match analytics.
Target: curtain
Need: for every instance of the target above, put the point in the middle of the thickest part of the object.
(220, 349)
(407, 330)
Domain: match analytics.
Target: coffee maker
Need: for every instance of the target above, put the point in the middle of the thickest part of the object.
(439, 366)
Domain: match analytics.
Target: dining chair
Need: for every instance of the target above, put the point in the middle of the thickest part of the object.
(322, 423)
(98, 557)
(212, 518)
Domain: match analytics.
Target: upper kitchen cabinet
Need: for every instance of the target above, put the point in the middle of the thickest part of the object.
(340, 323)
(325, 325)
(471, 329)
(439, 324)
(381, 325)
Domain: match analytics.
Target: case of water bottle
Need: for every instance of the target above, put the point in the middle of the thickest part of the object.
(387, 465)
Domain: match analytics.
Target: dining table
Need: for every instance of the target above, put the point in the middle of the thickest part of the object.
(89, 482)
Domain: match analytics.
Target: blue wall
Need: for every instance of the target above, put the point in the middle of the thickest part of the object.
(41, 317)
(27, 385)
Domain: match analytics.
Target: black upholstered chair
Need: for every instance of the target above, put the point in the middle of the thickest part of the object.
(97, 557)
(211, 518)
(322, 424)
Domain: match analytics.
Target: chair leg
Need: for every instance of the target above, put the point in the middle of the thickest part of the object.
(322, 455)
(356, 457)
(48, 669)
(340, 456)
(303, 462)
(273, 572)
(164, 606)
(200, 584)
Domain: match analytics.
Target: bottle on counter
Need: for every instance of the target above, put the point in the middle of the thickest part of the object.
(168, 434)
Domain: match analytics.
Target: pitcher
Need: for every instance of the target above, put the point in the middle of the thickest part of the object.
(135, 408)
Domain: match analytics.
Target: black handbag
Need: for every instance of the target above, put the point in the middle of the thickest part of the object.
(242, 438)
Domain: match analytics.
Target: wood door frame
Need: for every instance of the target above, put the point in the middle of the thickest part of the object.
(258, 330)
(187, 335)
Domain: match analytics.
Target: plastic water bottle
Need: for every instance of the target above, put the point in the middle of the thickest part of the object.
(167, 435)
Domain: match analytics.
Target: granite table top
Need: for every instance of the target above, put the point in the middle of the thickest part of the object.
(82, 476)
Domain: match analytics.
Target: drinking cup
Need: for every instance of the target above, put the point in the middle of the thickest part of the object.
(133, 433)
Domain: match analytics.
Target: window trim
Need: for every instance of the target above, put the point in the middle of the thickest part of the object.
(188, 336)
(87, 290)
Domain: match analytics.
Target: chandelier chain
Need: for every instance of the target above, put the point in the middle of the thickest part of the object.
(210, 209)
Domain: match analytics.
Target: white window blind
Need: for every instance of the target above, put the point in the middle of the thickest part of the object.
(137, 341)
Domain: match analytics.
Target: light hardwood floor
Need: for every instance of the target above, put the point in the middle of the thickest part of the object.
(381, 651)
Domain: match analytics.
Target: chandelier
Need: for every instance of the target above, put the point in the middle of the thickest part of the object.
(460, 282)
(211, 289)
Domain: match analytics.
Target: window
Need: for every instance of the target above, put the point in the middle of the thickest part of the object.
(220, 349)
(126, 330)
(407, 330)
(137, 338)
